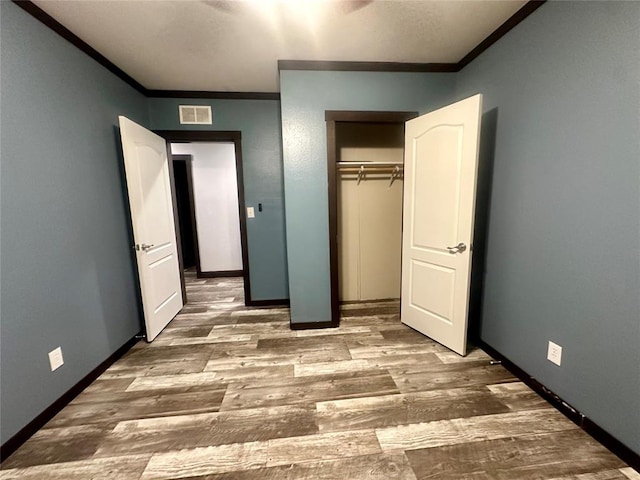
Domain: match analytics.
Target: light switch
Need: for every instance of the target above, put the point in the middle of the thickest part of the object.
(55, 358)
(251, 212)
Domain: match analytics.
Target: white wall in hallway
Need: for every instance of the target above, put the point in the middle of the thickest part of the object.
(215, 191)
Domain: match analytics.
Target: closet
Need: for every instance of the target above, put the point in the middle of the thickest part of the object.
(369, 182)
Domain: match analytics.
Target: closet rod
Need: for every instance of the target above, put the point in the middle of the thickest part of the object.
(369, 170)
(372, 164)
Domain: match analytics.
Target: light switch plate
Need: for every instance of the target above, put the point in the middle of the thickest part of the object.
(55, 358)
(554, 353)
(251, 213)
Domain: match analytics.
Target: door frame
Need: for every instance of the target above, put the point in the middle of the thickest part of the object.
(235, 137)
(332, 117)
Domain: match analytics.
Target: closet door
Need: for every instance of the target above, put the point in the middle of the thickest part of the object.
(441, 160)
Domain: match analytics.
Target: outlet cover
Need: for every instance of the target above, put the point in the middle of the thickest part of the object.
(55, 358)
(554, 353)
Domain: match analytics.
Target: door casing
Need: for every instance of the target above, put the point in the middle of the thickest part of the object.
(193, 136)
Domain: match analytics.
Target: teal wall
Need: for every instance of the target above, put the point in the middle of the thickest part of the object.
(563, 248)
(305, 95)
(67, 273)
(259, 122)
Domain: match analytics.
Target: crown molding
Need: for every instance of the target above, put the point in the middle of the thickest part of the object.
(530, 7)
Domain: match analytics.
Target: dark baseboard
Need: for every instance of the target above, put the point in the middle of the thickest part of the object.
(52, 410)
(312, 325)
(222, 273)
(614, 445)
(278, 302)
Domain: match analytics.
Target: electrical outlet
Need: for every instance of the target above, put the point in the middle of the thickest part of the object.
(55, 358)
(554, 353)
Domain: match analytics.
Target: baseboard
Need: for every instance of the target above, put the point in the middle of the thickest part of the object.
(312, 325)
(52, 410)
(609, 441)
(616, 446)
(278, 302)
(222, 273)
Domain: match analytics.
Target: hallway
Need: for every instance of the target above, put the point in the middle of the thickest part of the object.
(230, 392)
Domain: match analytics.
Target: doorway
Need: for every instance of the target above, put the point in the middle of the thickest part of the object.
(239, 264)
(365, 153)
(215, 208)
(183, 178)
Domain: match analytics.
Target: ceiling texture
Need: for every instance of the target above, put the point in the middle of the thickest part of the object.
(235, 45)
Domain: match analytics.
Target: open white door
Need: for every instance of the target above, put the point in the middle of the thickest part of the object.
(440, 169)
(147, 172)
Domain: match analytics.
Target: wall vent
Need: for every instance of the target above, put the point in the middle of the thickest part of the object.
(195, 115)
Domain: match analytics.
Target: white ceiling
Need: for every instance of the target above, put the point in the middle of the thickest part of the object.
(234, 45)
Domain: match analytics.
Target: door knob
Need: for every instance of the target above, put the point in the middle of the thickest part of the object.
(144, 247)
(461, 247)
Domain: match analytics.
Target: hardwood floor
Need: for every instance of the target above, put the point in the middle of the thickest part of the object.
(230, 392)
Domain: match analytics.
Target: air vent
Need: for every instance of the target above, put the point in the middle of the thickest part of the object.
(195, 115)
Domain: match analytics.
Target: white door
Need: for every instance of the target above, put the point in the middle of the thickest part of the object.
(147, 172)
(440, 169)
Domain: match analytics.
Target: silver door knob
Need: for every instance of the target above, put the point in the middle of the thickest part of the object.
(459, 248)
(144, 247)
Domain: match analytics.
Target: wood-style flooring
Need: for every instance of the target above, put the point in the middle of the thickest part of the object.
(230, 392)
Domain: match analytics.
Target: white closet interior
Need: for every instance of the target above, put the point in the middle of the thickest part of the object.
(370, 157)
